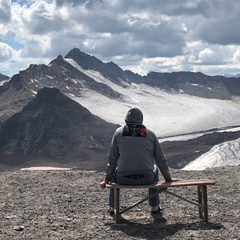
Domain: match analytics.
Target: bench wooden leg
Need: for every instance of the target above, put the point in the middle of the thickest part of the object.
(116, 204)
(205, 205)
(200, 201)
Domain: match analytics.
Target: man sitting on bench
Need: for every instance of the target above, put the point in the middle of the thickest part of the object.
(134, 158)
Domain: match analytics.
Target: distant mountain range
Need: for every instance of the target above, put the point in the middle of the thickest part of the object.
(38, 116)
(70, 79)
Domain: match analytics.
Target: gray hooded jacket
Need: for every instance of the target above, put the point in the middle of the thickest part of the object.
(135, 149)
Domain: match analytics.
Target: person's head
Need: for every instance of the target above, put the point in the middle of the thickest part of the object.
(134, 116)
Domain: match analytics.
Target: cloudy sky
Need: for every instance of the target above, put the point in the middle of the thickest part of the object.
(139, 35)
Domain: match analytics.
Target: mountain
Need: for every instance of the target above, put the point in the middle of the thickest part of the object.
(59, 73)
(109, 70)
(75, 74)
(57, 127)
(232, 75)
(174, 104)
(3, 77)
(196, 84)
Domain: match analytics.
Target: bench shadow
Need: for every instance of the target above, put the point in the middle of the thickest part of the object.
(159, 229)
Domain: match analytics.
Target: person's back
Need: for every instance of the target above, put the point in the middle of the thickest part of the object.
(135, 146)
(134, 158)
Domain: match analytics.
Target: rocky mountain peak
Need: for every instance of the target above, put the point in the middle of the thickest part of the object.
(56, 126)
(109, 70)
(46, 98)
(85, 60)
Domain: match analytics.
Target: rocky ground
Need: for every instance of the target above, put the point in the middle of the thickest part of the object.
(70, 205)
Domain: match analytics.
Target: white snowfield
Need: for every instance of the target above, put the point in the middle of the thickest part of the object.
(168, 114)
(227, 153)
(172, 116)
(2, 82)
(45, 168)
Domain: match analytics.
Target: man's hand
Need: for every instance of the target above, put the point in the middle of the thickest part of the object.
(102, 184)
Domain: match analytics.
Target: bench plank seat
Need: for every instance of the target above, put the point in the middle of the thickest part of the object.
(163, 186)
(180, 183)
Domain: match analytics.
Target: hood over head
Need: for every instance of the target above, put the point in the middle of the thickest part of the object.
(134, 116)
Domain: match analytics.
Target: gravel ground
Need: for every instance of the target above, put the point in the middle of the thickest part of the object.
(70, 205)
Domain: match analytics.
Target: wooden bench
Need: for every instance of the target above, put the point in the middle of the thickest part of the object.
(163, 186)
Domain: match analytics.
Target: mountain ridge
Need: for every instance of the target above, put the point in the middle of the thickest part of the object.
(53, 125)
(108, 92)
(70, 80)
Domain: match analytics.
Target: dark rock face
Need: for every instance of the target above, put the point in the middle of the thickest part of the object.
(13, 96)
(109, 70)
(3, 77)
(196, 84)
(56, 126)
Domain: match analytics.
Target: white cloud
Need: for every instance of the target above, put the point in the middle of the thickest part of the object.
(5, 11)
(236, 55)
(185, 35)
(5, 51)
(206, 55)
